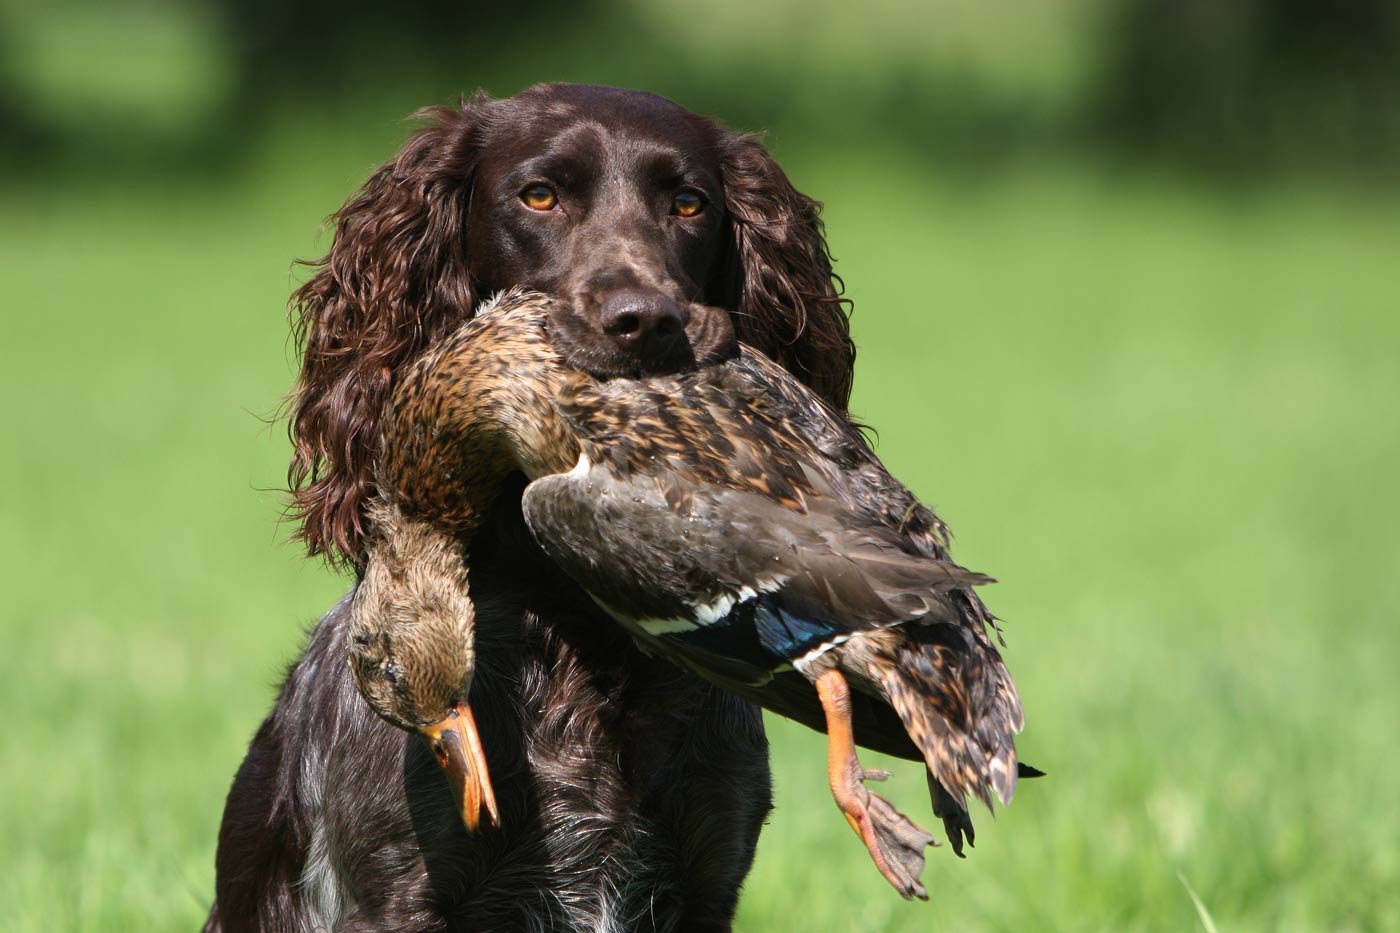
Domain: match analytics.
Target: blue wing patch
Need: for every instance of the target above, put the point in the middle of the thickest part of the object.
(760, 632)
(787, 635)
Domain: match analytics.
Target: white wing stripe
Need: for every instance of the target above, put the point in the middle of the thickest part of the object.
(716, 611)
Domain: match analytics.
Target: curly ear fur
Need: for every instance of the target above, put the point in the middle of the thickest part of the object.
(397, 279)
(394, 281)
(787, 299)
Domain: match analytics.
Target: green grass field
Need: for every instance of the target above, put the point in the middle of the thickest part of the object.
(1165, 418)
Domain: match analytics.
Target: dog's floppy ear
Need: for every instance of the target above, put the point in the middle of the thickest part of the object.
(779, 272)
(394, 281)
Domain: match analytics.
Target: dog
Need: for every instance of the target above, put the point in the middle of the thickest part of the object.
(631, 793)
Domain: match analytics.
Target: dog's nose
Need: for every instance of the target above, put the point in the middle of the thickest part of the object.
(646, 324)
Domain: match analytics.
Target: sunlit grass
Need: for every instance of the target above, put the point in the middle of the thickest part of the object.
(1163, 418)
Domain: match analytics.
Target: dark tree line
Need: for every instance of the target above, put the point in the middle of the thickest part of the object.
(1231, 83)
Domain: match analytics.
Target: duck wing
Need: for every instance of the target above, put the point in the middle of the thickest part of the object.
(735, 588)
(682, 559)
(736, 524)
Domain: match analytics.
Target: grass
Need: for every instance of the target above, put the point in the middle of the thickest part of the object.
(1164, 417)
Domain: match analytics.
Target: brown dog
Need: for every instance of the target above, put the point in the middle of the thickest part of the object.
(631, 794)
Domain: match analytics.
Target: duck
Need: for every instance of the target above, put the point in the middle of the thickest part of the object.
(726, 517)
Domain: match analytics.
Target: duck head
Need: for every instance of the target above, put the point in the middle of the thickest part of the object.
(412, 651)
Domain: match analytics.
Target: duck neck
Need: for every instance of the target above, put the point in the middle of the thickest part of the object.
(408, 543)
(469, 416)
(449, 468)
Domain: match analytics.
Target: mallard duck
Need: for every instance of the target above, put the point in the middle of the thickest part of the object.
(729, 520)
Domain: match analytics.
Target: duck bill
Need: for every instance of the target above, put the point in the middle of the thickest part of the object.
(457, 746)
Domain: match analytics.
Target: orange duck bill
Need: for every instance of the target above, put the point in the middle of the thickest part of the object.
(457, 746)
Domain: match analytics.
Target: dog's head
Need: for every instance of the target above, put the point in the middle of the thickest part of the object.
(612, 201)
(664, 234)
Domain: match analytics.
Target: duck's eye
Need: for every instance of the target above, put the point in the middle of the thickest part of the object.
(687, 204)
(539, 198)
(391, 672)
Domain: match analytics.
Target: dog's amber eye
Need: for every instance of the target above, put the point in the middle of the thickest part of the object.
(539, 198)
(688, 204)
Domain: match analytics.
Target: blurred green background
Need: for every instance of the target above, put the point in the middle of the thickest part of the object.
(1127, 293)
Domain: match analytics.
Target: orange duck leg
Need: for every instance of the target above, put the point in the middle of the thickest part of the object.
(896, 843)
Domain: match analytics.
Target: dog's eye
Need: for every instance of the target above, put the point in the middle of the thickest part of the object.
(687, 204)
(539, 198)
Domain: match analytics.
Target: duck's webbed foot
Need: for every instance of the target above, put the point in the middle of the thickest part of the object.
(896, 843)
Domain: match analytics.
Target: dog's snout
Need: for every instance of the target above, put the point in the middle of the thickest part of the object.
(646, 324)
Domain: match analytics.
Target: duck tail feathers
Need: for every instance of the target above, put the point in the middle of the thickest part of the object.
(960, 708)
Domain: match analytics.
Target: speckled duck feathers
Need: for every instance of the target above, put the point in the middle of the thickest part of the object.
(734, 523)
